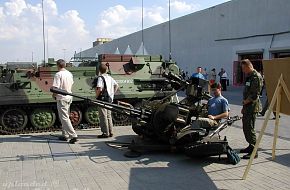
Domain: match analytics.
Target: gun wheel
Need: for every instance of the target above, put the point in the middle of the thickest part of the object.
(42, 118)
(118, 118)
(137, 128)
(92, 115)
(75, 116)
(13, 119)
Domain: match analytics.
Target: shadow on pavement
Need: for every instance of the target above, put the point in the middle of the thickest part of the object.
(155, 169)
(283, 159)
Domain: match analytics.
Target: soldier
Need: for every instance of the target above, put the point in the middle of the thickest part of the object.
(251, 105)
(63, 79)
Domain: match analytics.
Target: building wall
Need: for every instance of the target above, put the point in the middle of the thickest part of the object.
(213, 37)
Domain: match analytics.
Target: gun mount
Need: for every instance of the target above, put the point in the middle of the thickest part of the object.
(169, 124)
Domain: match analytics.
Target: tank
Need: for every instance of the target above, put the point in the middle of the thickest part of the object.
(26, 104)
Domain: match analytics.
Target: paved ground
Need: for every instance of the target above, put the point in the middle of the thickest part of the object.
(39, 161)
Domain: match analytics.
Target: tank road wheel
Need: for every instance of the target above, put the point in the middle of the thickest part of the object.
(119, 118)
(75, 116)
(42, 118)
(15, 119)
(92, 115)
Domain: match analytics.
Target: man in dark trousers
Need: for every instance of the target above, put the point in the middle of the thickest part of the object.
(251, 105)
(223, 79)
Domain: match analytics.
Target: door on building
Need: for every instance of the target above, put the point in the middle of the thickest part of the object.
(255, 58)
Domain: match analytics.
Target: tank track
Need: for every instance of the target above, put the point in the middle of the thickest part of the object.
(56, 127)
(28, 130)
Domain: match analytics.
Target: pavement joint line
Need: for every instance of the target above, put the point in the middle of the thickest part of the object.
(265, 133)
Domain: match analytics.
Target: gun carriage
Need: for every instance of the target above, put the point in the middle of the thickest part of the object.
(168, 124)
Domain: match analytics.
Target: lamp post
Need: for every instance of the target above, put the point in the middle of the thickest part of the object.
(169, 26)
(142, 27)
(63, 53)
(43, 34)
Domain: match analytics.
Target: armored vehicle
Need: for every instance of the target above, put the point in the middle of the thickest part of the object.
(26, 104)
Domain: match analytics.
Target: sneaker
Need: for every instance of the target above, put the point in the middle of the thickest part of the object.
(111, 134)
(73, 140)
(248, 156)
(103, 136)
(262, 114)
(248, 150)
(62, 138)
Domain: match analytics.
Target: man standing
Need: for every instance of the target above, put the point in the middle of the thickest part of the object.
(251, 105)
(212, 76)
(205, 74)
(106, 87)
(223, 79)
(63, 79)
(218, 108)
(198, 74)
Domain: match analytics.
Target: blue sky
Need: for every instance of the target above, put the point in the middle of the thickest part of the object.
(72, 25)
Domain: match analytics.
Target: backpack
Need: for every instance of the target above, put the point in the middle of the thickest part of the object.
(104, 95)
(233, 157)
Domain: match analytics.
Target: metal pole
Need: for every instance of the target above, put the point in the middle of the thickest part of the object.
(47, 44)
(142, 28)
(63, 53)
(43, 34)
(169, 25)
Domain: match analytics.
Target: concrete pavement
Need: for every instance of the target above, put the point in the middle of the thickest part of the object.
(31, 162)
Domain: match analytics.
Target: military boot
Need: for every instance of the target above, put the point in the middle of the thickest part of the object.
(248, 156)
(249, 149)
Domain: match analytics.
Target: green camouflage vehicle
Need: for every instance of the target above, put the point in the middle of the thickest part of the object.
(26, 104)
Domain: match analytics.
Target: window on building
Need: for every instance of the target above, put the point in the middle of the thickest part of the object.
(280, 54)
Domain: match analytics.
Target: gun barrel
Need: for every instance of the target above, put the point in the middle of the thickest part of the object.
(225, 124)
(131, 112)
(175, 79)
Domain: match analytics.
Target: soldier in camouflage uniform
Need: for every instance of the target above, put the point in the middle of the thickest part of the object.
(251, 105)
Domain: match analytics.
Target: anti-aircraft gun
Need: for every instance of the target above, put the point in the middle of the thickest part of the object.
(197, 91)
(169, 124)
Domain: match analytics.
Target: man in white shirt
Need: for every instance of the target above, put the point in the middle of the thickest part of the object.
(223, 79)
(63, 79)
(101, 86)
